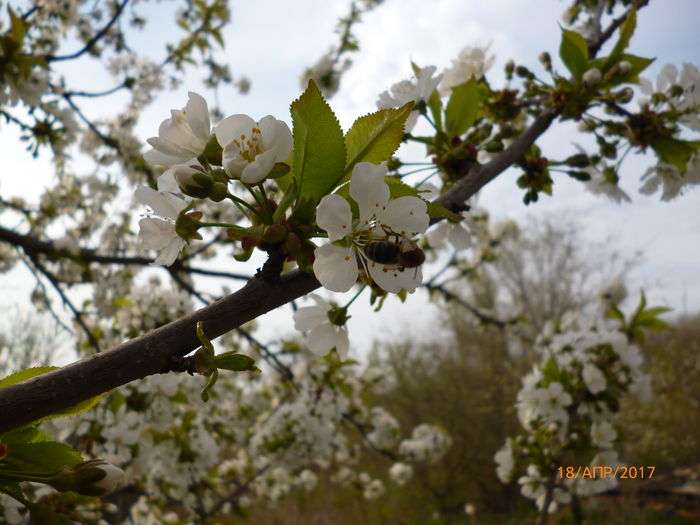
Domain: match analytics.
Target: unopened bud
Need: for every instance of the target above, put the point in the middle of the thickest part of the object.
(292, 244)
(192, 181)
(592, 77)
(90, 478)
(524, 72)
(546, 60)
(509, 68)
(624, 95)
(275, 233)
(218, 191)
(393, 164)
(624, 67)
(494, 146)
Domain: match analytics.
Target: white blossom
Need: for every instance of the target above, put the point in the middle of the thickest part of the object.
(321, 334)
(158, 232)
(251, 149)
(113, 477)
(427, 443)
(183, 136)
(400, 473)
(380, 218)
(671, 181)
(505, 463)
(418, 89)
(594, 378)
(603, 434)
(471, 62)
(458, 234)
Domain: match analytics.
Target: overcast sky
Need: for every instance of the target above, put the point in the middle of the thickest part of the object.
(272, 41)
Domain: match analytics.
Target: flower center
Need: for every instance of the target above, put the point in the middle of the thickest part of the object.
(249, 146)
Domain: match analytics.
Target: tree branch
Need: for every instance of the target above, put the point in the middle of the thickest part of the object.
(93, 41)
(66, 300)
(152, 353)
(31, 246)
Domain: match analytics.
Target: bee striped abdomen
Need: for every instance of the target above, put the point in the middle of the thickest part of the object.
(382, 252)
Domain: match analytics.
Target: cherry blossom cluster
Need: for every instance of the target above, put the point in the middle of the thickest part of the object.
(567, 407)
(270, 435)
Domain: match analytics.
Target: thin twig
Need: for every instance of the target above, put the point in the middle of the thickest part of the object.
(94, 40)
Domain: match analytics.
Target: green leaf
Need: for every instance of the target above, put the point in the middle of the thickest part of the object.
(626, 32)
(398, 188)
(42, 457)
(435, 106)
(211, 381)
(234, 362)
(437, 210)
(675, 151)
(319, 149)
(23, 375)
(83, 406)
(18, 27)
(573, 51)
(25, 434)
(29, 373)
(375, 137)
(304, 212)
(463, 108)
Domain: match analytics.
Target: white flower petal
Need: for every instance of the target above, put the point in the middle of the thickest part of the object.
(158, 158)
(394, 280)
(335, 267)
(166, 182)
(333, 214)
(170, 252)
(162, 204)
(155, 234)
(232, 128)
(260, 168)
(325, 337)
(438, 236)
(368, 189)
(411, 121)
(645, 86)
(309, 317)
(197, 113)
(406, 215)
(459, 237)
(276, 136)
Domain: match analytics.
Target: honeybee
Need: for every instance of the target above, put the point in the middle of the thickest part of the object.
(405, 254)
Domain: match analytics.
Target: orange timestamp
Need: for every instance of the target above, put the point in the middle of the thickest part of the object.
(606, 471)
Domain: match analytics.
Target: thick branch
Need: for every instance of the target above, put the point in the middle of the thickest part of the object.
(146, 355)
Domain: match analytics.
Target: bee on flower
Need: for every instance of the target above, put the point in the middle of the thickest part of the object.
(379, 241)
